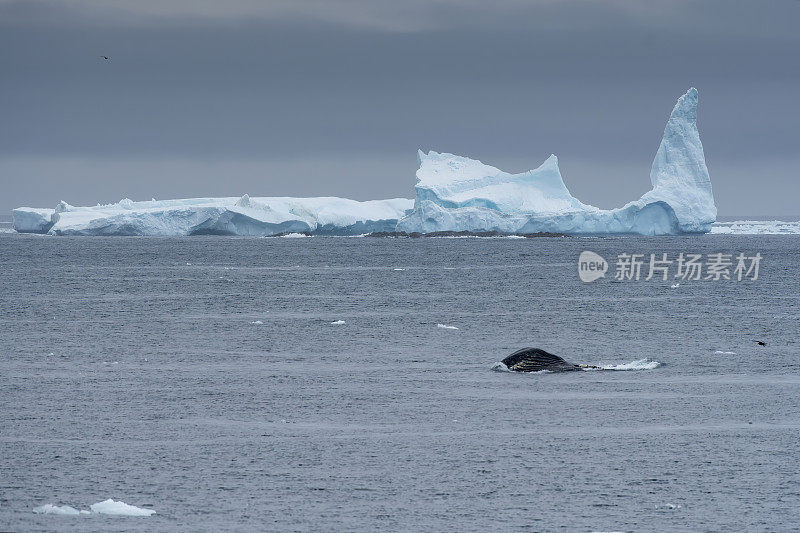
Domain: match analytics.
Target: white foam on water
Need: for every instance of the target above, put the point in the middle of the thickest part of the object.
(445, 326)
(119, 508)
(500, 367)
(295, 236)
(639, 364)
(337, 322)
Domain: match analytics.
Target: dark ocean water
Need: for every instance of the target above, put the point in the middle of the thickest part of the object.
(130, 368)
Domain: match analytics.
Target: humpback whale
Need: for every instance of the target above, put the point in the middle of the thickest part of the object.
(536, 360)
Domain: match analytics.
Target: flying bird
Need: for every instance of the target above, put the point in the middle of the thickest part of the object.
(760, 343)
(106, 58)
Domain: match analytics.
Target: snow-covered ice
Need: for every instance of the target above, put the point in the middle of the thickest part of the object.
(65, 510)
(217, 216)
(119, 508)
(32, 219)
(757, 227)
(455, 193)
(107, 507)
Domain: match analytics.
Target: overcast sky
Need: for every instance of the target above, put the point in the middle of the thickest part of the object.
(333, 97)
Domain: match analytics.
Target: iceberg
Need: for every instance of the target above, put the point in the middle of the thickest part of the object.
(32, 219)
(217, 216)
(455, 193)
(452, 194)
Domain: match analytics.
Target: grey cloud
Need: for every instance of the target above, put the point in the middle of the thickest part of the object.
(298, 104)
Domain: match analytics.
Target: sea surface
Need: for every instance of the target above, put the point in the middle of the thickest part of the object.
(202, 378)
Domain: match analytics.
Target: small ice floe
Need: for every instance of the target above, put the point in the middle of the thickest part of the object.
(675, 285)
(399, 269)
(119, 508)
(110, 362)
(295, 236)
(188, 264)
(107, 507)
(64, 510)
(445, 326)
(337, 322)
(256, 322)
(639, 364)
(670, 506)
(51, 353)
(720, 352)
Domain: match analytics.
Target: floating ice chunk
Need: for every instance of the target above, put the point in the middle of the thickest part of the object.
(337, 322)
(119, 508)
(445, 326)
(720, 352)
(639, 364)
(399, 269)
(65, 510)
(217, 216)
(757, 227)
(670, 506)
(256, 322)
(295, 235)
(32, 219)
(455, 193)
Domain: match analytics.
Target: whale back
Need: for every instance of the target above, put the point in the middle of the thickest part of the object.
(535, 360)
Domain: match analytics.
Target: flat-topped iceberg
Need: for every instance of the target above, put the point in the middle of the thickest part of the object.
(455, 193)
(217, 216)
